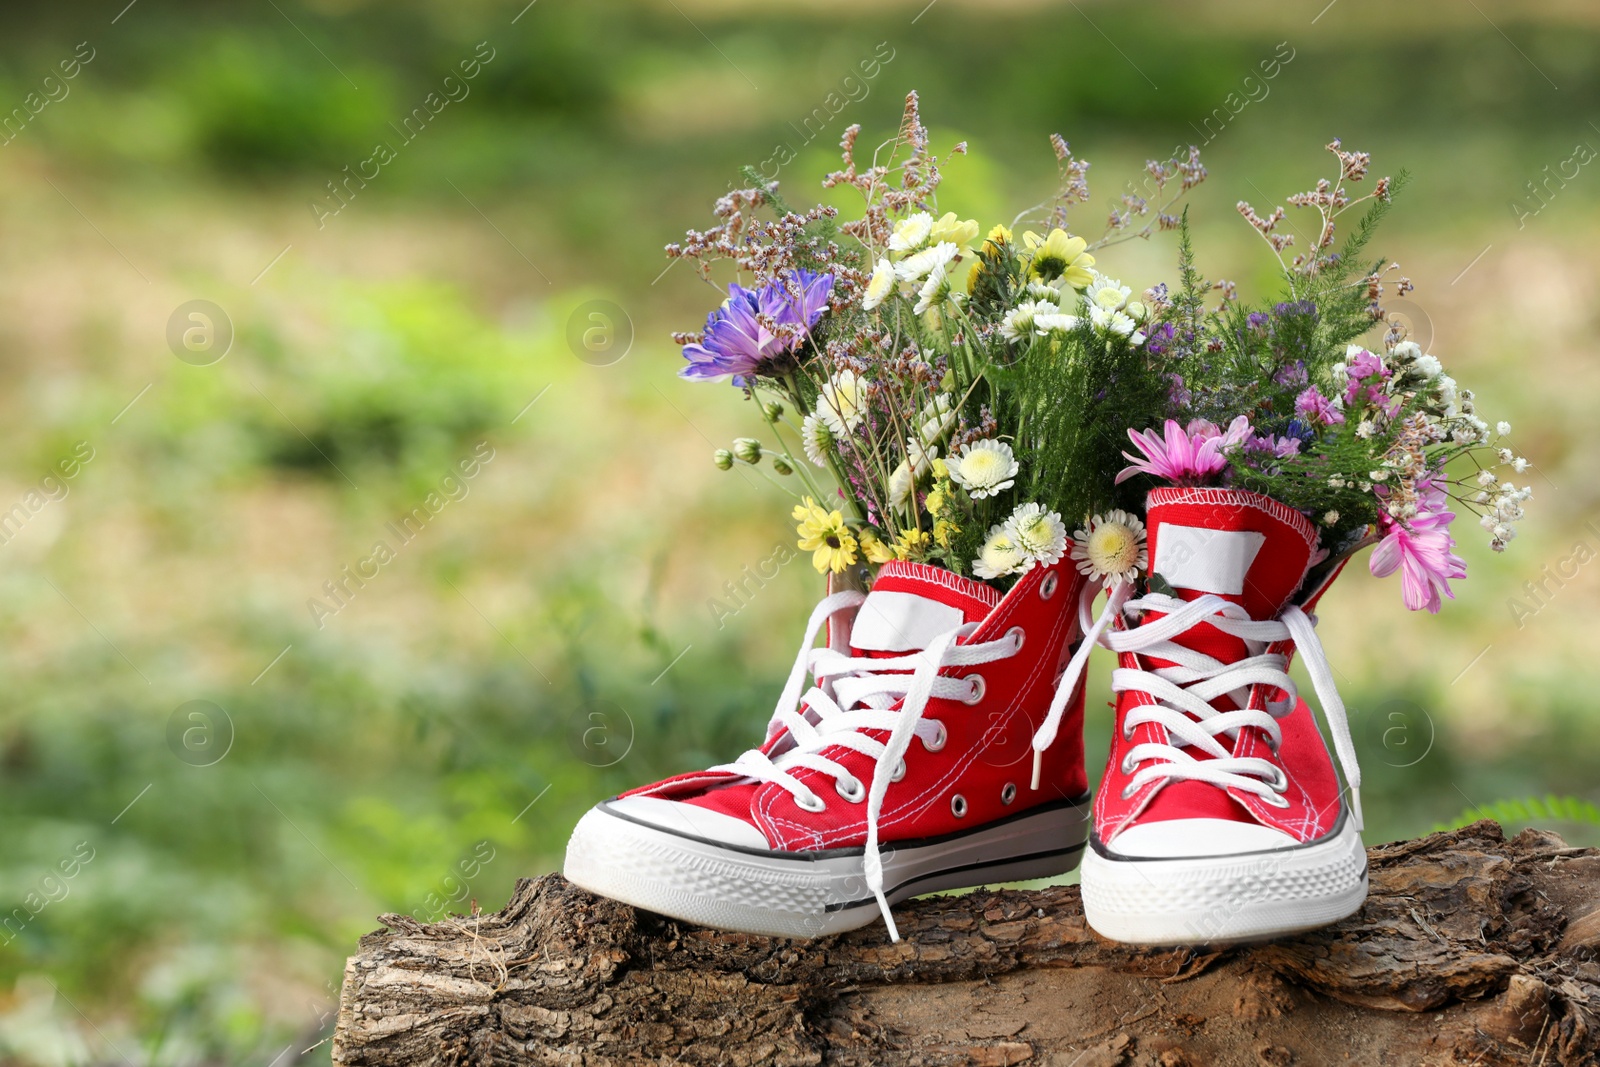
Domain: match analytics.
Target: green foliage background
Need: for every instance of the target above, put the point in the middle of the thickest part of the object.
(549, 638)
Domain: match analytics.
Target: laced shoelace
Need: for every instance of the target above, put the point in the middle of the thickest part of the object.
(1182, 693)
(852, 696)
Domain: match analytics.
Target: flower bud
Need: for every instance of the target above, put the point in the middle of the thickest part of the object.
(772, 411)
(723, 459)
(780, 466)
(747, 449)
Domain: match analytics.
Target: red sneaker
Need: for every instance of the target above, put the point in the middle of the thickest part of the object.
(838, 811)
(1220, 817)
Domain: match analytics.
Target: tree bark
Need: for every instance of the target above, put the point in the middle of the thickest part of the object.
(1471, 949)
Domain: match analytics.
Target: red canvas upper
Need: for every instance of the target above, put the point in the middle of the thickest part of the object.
(1255, 552)
(988, 743)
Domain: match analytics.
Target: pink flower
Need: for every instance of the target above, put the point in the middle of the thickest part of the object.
(1421, 549)
(1317, 409)
(1184, 456)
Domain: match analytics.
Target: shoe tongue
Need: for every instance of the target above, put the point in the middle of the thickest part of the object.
(910, 604)
(1244, 547)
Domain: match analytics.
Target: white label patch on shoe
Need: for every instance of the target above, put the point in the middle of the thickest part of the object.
(901, 622)
(1206, 561)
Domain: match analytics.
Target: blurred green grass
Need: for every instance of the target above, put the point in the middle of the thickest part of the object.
(546, 639)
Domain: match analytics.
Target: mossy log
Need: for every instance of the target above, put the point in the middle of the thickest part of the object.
(1471, 949)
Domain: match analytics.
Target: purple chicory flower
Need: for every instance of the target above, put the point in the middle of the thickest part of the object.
(736, 343)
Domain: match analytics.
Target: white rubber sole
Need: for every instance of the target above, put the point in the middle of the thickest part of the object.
(1218, 900)
(808, 894)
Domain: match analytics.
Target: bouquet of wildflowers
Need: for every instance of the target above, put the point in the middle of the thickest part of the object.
(1372, 446)
(938, 391)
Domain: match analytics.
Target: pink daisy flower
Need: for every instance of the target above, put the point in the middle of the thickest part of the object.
(1182, 456)
(1421, 550)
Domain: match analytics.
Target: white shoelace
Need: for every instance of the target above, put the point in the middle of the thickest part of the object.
(1184, 691)
(854, 695)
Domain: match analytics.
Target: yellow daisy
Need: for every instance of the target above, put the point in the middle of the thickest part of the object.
(825, 535)
(1060, 256)
(875, 549)
(912, 544)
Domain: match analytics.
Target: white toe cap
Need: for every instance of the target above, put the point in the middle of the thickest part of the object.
(1178, 838)
(691, 819)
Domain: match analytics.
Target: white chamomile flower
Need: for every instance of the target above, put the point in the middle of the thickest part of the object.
(1000, 555)
(936, 291)
(910, 232)
(843, 403)
(1037, 290)
(938, 417)
(1021, 320)
(880, 285)
(920, 455)
(916, 267)
(816, 439)
(984, 468)
(1039, 533)
(1049, 323)
(900, 484)
(1111, 321)
(1107, 293)
(1111, 548)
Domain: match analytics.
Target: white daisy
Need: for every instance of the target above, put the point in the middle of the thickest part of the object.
(936, 291)
(916, 267)
(880, 286)
(938, 417)
(1111, 547)
(816, 439)
(1000, 555)
(843, 403)
(1112, 321)
(1039, 533)
(1107, 293)
(1054, 323)
(1021, 320)
(920, 455)
(1037, 290)
(984, 468)
(910, 232)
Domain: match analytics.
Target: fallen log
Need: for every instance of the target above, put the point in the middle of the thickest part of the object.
(1471, 949)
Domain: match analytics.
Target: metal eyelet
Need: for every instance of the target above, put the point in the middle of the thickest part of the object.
(899, 771)
(979, 687)
(1047, 588)
(1275, 800)
(1017, 637)
(810, 802)
(1008, 793)
(855, 792)
(1281, 780)
(939, 738)
(1127, 731)
(1127, 791)
(1128, 765)
(958, 806)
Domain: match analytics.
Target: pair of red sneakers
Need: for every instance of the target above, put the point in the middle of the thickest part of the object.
(941, 747)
